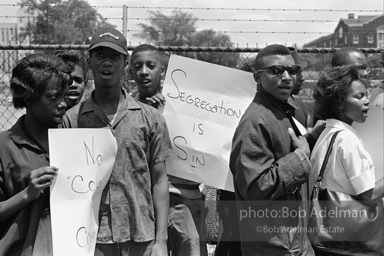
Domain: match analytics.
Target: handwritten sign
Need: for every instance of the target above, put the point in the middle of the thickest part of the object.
(85, 158)
(204, 105)
(371, 133)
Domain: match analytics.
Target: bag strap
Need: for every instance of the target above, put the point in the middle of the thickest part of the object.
(320, 177)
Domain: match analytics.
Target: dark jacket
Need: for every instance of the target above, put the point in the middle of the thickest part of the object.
(268, 176)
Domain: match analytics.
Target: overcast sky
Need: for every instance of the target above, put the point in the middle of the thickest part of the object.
(293, 32)
(320, 16)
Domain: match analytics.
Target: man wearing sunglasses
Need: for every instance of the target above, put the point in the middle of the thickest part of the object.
(270, 163)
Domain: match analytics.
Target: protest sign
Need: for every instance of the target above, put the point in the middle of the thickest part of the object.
(204, 105)
(371, 133)
(85, 158)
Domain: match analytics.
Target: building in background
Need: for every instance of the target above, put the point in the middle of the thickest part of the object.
(9, 36)
(362, 32)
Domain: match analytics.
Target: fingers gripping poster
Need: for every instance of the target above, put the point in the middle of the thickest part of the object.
(85, 158)
(204, 104)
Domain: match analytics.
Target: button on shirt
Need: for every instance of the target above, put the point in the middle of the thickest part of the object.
(127, 210)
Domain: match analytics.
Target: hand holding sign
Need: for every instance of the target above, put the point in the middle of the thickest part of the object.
(85, 158)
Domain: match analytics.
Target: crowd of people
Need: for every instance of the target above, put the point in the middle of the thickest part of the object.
(144, 211)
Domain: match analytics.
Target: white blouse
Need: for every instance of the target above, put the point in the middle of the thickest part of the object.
(350, 167)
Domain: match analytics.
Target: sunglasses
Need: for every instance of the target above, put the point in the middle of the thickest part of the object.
(279, 70)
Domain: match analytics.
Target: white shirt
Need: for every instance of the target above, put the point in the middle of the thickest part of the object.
(350, 167)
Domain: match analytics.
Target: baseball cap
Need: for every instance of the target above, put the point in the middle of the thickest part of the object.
(111, 38)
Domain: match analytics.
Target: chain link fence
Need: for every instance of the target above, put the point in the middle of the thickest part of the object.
(317, 60)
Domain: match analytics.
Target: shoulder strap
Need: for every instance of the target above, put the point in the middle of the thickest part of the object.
(320, 177)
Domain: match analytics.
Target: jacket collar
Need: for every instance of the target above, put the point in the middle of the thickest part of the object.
(285, 106)
(126, 103)
(18, 135)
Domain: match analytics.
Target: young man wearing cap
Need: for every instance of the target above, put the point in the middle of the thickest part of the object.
(134, 204)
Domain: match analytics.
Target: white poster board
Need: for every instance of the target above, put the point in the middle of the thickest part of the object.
(204, 104)
(85, 158)
(371, 133)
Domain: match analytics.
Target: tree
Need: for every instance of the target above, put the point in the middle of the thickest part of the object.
(173, 30)
(61, 22)
(210, 38)
(179, 29)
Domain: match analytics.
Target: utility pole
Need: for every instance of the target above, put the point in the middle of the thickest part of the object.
(125, 20)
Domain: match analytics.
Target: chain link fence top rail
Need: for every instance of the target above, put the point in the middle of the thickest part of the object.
(317, 61)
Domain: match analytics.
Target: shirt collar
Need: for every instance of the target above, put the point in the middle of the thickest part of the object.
(17, 134)
(286, 106)
(127, 101)
(340, 125)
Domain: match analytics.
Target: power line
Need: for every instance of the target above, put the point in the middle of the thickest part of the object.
(35, 17)
(254, 9)
(205, 19)
(249, 20)
(47, 30)
(267, 32)
(221, 9)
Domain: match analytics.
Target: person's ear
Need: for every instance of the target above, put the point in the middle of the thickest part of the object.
(256, 76)
(162, 73)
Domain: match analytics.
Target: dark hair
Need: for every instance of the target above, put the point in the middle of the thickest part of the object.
(150, 48)
(341, 56)
(274, 49)
(332, 88)
(32, 74)
(73, 58)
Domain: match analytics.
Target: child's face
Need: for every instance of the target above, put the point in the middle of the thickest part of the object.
(147, 71)
(355, 108)
(49, 108)
(107, 67)
(76, 89)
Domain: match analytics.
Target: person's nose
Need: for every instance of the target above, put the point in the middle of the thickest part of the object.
(286, 76)
(62, 104)
(367, 101)
(144, 71)
(107, 64)
(73, 85)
